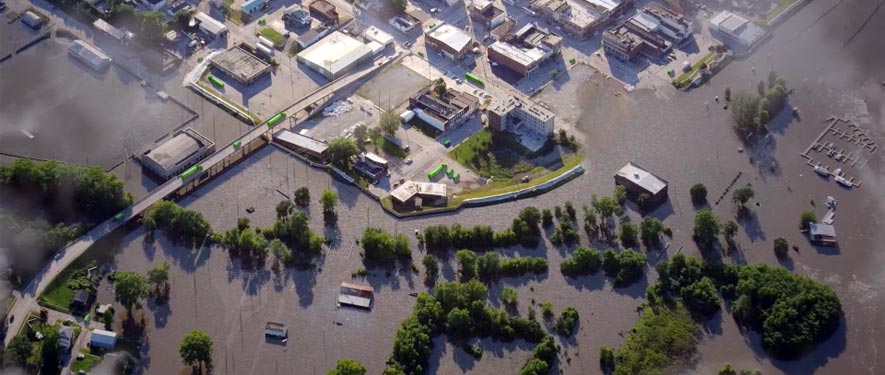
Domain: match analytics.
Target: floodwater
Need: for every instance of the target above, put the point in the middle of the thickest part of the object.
(54, 107)
(671, 134)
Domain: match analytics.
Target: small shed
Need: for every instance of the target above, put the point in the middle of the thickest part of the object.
(102, 339)
(356, 295)
(81, 299)
(276, 330)
(251, 7)
(824, 234)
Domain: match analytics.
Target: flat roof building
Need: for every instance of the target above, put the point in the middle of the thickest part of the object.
(638, 181)
(445, 111)
(736, 28)
(488, 13)
(324, 12)
(822, 233)
(110, 30)
(89, 55)
(621, 43)
(525, 50)
(185, 149)
(580, 18)
(101, 339)
(31, 19)
(276, 330)
(335, 55)
(296, 15)
(375, 34)
(523, 118)
(356, 295)
(301, 143)
(672, 25)
(210, 26)
(429, 193)
(449, 40)
(240, 65)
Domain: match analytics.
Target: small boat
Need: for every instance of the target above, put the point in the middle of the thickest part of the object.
(821, 171)
(844, 182)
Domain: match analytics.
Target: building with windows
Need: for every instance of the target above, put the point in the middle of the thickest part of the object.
(621, 43)
(525, 50)
(449, 40)
(523, 118)
(324, 12)
(639, 181)
(412, 194)
(446, 111)
(185, 149)
(665, 22)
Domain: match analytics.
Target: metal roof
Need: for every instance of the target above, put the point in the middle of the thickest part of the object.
(821, 230)
(653, 184)
(209, 24)
(103, 338)
(301, 141)
(335, 52)
(178, 149)
(410, 189)
(451, 36)
(89, 54)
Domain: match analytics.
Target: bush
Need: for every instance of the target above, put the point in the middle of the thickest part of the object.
(546, 218)
(567, 321)
(431, 266)
(518, 266)
(582, 262)
(606, 359)
(546, 309)
(626, 266)
(701, 297)
(178, 222)
(381, 246)
(663, 338)
(510, 296)
(467, 264)
(627, 232)
(806, 217)
(698, 193)
(781, 247)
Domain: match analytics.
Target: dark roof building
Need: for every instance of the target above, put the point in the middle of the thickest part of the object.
(487, 12)
(638, 181)
(81, 299)
(324, 12)
(822, 233)
(446, 111)
(179, 153)
(300, 143)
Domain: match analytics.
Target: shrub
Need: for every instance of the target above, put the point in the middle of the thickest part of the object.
(510, 296)
(567, 321)
(781, 247)
(625, 266)
(467, 264)
(546, 218)
(381, 246)
(518, 266)
(582, 262)
(431, 266)
(620, 194)
(606, 359)
(806, 217)
(701, 297)
(546, 309)
(627, 232)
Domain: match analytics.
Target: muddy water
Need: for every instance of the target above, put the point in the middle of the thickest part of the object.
(677, 138)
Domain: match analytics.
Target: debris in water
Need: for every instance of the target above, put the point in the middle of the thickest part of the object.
(27, 134)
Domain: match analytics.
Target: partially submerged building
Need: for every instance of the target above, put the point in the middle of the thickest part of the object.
(335, 55)
(639, 181)
(276, 330)
(296, 15)
(736, 28)
(302, 144)
(449, 40)
(101, 339)
(665, 22)
(376, 35)
(185, 149)
(89, 55)
(445, 111)
(356, 295)
(825, 234)
(532, 123)
(240, 65)
(526, 49)
(413, 194)
(32, 19)
(81, 300)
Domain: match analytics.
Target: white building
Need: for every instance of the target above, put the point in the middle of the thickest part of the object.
(449, 40)
(88, 54)
(375, 34)
(736, 28)
(335, 55)
(210, 26)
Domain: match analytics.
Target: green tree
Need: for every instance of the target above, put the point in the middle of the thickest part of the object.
(627, 232)
(151, 26)
(130, 288)
(806, 217)
(546, 218)
(701, 296)
(727, 369)
(742, 195)
(706, 227)
(439, 87)
(510, 296)
(360, 133)
(570, 210)
(390, 121)
(605, 206)
(606, 359)
(698, 193)
(329, 199)
(760, 88)
(196, 349)
(620, 194)
(159, 275)
(535, 367)
(347, 366)
(650, 230)
(467, 264)
(567, 321)
(431, 265)
(342, 151)
(781, 247)
(381, 246)
(458, 322)
(285, 208)
(302, 196)
(488, 266)
(729, 230)
(281, 251)
(50, 356)
(744, 109)
(19, 350)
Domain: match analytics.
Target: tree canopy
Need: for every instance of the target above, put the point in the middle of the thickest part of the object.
(347, 366)
(329, 200)
(390, 121)
(342, 151)
(130, 288)
(706, 227)
(381, 246)
(196, 348)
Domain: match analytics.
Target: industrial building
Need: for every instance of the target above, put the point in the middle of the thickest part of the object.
(665, 22)
(115, 33)
(335, 55)
(240, 65)
(210, 26)
(302, 144)
(487, 13)
(736, 28)
(638, 181)
(445, 111)
(309, 37)
(524, 118)
(297, 16)
(89, 55)
(412, 194)
(324, 12)
(356, 295)
(581, 18)
(449, 40)
(525, 50)
(185, 149)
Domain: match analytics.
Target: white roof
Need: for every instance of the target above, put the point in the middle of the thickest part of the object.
(525, 56)
(411, 188)
(302, 141)
(177, 149)
(209, 24)
(728, 22)
(451, 36)
(90, 54)
(103, 338)
(826, 230)
(109, 29)
(653, 184)
(607, 4)
(335, 52)
(376, 35)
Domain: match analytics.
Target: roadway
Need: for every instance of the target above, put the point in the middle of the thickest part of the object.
(26, 299)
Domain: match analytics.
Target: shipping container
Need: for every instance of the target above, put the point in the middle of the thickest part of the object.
(216, 82)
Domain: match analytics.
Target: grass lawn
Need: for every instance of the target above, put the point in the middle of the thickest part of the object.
(494, 154)
(233, 14)
(274, 36)
(685, 78)
(85, 364)
(508, 186)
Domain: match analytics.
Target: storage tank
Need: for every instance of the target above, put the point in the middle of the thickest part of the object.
(264, 50)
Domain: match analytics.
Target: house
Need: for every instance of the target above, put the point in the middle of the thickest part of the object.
(374, 159)
(445, 111)
(210, 26)
(825, 234)
(65, 338)
(638, 181)
(81, 300)
(301, 143)
(296, 15)
(276, 330)
(251, 7)
(101, 339)
(356, 295)
(324, 12)
(581, 18)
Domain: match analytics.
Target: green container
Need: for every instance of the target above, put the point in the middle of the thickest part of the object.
(436, 171)
(216, 82)
(450, 172)
(456, 176)
(474, 79)
(190, 171)
(276, 119)
(236, 144)
(447, 143)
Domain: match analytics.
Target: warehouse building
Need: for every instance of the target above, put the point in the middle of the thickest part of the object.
(443, 112)
(302, 144)
(210, 26)
(375, 34)
(736, 28)
(185, 149)
(240, 65)
(335, 55)
(449, 40)
(525, 50)
(531, 122)
(638, 181)
(89, 55)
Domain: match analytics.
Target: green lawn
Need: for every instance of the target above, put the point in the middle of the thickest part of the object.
(509, 186)
(274, 36)
(85, 364)
(494, 154)
(685, 78)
